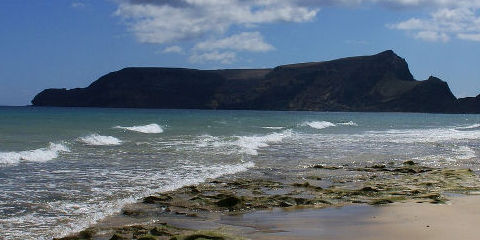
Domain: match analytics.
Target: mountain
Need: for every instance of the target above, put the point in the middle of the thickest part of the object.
(380, 82)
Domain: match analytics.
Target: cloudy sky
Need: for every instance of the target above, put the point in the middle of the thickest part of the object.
(70, 43)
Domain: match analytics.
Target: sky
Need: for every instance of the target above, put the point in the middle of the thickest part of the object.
(71, 43)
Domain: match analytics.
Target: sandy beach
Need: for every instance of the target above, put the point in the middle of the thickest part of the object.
(406, 201)
(457, 219)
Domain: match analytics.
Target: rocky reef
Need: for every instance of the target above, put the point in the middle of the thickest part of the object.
(380, 82)
(317, 186)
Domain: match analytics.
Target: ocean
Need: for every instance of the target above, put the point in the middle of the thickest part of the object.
(62, 169)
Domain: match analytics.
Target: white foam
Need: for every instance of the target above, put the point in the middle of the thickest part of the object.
(92, 213)
(464, 153)
(37, 155)
(319, 124)
(474, 126)
(421, 135)
(240, 144)
(208, 140)
(455, 154)
(274, 128)
(351, 123)
(150, 128)
(99, 140)
(250, 144)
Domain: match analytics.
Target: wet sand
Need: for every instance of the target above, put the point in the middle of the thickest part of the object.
(406, 201)
(458, 219)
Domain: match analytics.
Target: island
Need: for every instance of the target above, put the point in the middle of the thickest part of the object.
(376, 83)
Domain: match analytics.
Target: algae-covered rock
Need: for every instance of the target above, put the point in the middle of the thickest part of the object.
(378, 184)
(117, 236)
(409, 163)
(381, 202)
(83, 235)
(147, 237)
(159, 198)
(229, 202)
(205, 235)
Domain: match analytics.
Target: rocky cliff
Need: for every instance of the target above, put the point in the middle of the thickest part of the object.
(380, 82)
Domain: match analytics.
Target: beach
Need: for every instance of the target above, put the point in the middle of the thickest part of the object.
(267, 209)
(101, 172)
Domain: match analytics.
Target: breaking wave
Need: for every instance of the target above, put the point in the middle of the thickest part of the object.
(351, 123)
(99, 140)
(274, 128)
(85, 214)
(241, 144)
(150, 128)
(319, 124)
(474, 126)
(37, 155)
(251, 144)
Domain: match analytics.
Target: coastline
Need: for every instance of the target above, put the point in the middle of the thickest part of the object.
(416, 201)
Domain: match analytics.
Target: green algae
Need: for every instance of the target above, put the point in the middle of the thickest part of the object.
(323, 186)
(372, 184)
(204, 235)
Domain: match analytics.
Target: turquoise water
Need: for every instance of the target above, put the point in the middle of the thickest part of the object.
(62, 169)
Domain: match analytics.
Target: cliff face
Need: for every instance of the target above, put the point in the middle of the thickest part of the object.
(381, 82)
(468, 105)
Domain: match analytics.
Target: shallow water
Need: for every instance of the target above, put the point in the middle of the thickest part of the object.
(62, 169)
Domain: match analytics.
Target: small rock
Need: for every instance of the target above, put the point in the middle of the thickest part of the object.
(229, 202)
(409, 163)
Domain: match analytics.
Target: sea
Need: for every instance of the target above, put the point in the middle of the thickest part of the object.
(63, 169)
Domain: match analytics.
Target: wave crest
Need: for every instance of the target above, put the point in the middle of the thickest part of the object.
(274, 128)
(250, 144)
(474, 126)
(149, 128)
(351, 123)
(319, 124)
(99, 140)
(37, 155)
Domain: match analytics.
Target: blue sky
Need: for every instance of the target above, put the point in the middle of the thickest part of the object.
(70, 43)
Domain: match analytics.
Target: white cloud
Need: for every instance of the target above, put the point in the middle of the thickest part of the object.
(432, 36)
(173, 49)
(205, 23)
(77, 4)
(470, 37)
(428, 3)
(245, 41)
(442, 24)
(164, 21)
(215, 56)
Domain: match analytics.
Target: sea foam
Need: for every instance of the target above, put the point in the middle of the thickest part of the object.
(474, 126)
(88, 213)
(37, 155)
(464, 153)
(250, 144)
(150, 128)
(242, 144)
(99, 140)
(351, 123)
(423, 135)
(274, 128)
(319, 124)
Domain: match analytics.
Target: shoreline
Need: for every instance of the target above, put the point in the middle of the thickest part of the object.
(403, 220)
(254, 205)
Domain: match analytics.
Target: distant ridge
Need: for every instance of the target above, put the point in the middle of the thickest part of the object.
(377, 83)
